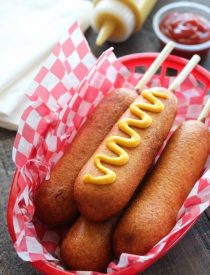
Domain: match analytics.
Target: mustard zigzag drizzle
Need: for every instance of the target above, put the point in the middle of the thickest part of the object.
(113, 143)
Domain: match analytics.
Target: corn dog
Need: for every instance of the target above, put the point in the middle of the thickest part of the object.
(99, 202)
(87, 245)
(153, 213)
(108, 180)
(54, 201)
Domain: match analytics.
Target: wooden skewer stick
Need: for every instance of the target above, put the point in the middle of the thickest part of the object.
(204, 113)
(185, 72)
(155, 65)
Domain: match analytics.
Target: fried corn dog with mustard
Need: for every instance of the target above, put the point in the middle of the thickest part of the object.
(109, 178)
(54, 200)
(153, 213)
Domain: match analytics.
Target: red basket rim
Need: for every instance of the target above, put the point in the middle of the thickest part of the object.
(45, 266)
(199, 72)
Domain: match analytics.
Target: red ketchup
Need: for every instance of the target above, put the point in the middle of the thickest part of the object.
(186, 28)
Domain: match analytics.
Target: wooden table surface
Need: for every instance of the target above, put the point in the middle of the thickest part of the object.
(191, 256)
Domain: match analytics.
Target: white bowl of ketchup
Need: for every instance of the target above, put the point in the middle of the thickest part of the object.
(187, 24)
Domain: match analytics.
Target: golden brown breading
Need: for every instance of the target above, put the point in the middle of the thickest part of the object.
(87, 245)
(153, 213)
(100, 202)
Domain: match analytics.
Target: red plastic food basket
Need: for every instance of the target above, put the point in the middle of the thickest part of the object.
(133, 63)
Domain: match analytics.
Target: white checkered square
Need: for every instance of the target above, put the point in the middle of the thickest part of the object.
(24, 255)
(111, 57)
(66, 82)
(111, 74)
(89, 60)
(77, 37)
(84, 108)
(123, 71)
(33, 246)
(73, 80)
(204, 206)
(50, 81)
(24, 147)
(33, 119)
(51, 142)
(74, 60)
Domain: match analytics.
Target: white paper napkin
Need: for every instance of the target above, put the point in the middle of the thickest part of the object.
(29, 31)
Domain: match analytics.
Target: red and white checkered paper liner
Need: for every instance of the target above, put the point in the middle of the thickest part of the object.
(67, 88)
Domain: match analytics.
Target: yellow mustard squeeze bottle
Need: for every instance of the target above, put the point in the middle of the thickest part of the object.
(116, 20)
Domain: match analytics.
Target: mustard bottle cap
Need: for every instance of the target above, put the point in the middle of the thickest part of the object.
(105, 31)
(125, 16)
(111, 15)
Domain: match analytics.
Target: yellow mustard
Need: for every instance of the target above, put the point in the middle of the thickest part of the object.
(113, 142)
